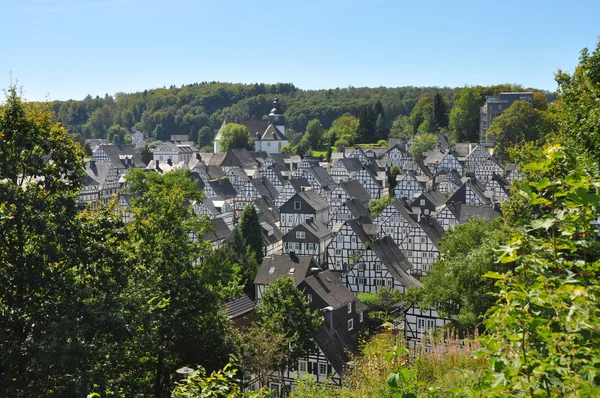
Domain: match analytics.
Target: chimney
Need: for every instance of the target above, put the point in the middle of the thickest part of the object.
(328, 315)
(293, 255)
(169, 162)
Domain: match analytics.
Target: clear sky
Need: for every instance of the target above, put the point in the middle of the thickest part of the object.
(70, 48)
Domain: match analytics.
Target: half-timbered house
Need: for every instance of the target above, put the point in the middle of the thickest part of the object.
(477, 156)
(254, 189)
(349, 240)
(472, 192)
(319, 180)
(290, 188)
(397, 156)
(500, 188)
(381, 264)
(348, 190)
(437, 161)
(484, 171)
(349, 210)
(453, 214)
(303, 206)
(421, 245)
(420, 324)
(397, 220)
(367, 176)
(408, 187)
(310, 238)
(345, 168)
(428, 202)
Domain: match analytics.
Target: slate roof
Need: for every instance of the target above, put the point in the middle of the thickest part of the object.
(281, 265)
(352, 165)
(221, 230)
(266, 210)
(337, 344)
(357, 209)
(239, 306)
(270, 232)
(322, 176)
(432, 229)
(299, 183)
(311, 197)
(405, 211)
(356, 190)
(464, 213)
(327, 285)
(272, 133)
(96, 173)
(391, 256)
(433, 157)
(315, 232)
(476, 186)
(223, 188)
(264, 187)
(210, 172)
(117, 153)
(364, 231)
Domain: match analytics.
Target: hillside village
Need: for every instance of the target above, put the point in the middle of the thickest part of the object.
(315, 221)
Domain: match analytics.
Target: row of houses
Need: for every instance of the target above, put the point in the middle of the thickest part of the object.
(316, 226)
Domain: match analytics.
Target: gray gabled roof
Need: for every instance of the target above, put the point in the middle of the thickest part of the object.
(312, 199)
(321, 175)
(432, 229)
(223, 188)
(118, 153)
(394, 260)
(404, 209)
(357, 209)
(337, 345)
(264, 187)
(315, 231)
(356, 190)
(277, 266)
(239, 306)
(220, 230)
(327, 285)
(272, 133)
(299, 183)
(352, 165)
(365, 232)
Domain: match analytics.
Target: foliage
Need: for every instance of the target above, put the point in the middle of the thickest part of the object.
(441, 111)
(519, 124)
(381, 303)
(543, 334)
(343, 128)
(577, 110)
(284, 308)
(422, 144)
(464, 117)
(376, 206)
(176, 297)
(223, 383)
(366, 125)
(251, 232)
(394, 173)
(401, 127)
(238, 252)
(262, 348)
(235, 136)
(454, 286)
(146, 154)
(422, 118)
(314, 133)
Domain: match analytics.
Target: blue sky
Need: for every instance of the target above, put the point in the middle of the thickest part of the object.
(68, 48)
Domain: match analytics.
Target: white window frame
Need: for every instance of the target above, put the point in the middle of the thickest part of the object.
(321, 367)
(361, 317)
(300, 235)
(309, 297)
(302, 366)
(350, 324)
(350, 307)
(297, 205)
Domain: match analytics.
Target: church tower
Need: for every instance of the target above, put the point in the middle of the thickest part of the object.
(276, 117)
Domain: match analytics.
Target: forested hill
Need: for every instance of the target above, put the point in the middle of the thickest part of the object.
(199, 109)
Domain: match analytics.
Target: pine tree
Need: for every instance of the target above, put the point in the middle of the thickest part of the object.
(381, 131)
(365, 125)
(250, 229)
(441, 111)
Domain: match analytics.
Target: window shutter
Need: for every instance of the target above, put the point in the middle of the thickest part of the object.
(329, 370)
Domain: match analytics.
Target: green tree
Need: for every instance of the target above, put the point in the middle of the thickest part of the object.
(314, 133)
(241, 254)
(421, 144)
(286, 309)
(454, 285)
(464, 117)
(577, 109)
(235, 136)
(343, 128)
(251, 231)
(376, 206)
(146, 154)
(543, 334)
(177, 296)
(441, 111)
(59, 288)
(205, 136)
(518, 124)
(394, 172)
(366, 126)
(401, 127)
(422, 118)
